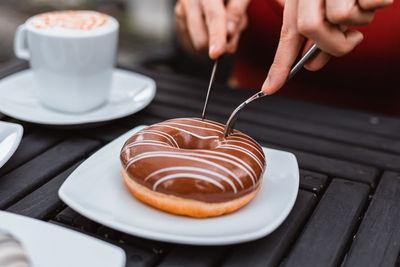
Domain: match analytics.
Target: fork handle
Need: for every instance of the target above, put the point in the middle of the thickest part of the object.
(309, 54)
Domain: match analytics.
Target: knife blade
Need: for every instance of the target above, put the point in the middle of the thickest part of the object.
(210, 84)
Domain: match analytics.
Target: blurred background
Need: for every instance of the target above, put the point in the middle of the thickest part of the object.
(147, 35)
(146, 27)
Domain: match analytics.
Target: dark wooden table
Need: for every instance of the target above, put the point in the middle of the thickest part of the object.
(348, 207)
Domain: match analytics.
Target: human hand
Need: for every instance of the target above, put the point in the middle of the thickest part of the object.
(324, 23)
(206, 24)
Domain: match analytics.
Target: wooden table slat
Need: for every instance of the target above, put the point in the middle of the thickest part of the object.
(332, 167)
(313, 181)
(339, 117)
(141, 118)
(194, 256)
(105, 133)
(324, 238)
(39, 170)
(157, 246)
(377, 240)
(41, 203)
(72, 218)
(269, 250)
(30, 146)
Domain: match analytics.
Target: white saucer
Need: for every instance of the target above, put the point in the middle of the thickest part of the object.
(48, 245)
(130, 93)
(10, 137)
(96, 190)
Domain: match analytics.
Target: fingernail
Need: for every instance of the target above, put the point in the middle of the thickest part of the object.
(231, 26)
(360, 38)
(212, 49)
(265, 86)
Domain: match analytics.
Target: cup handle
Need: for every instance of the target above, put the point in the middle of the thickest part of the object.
(20, 49)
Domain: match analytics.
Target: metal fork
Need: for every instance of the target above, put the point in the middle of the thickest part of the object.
(235, 114)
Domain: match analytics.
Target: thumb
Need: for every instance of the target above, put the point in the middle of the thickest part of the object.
(288, 49)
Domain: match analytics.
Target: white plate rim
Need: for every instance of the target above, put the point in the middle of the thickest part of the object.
(120, 253)
(79, 120)
(172, 238)
(20, 132)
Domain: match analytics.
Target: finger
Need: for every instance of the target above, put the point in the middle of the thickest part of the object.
(214, 11)
(288, 49)
(183, 33)
(342, 28)
(233, 40)
(235, 11)
(347, 12)
(329, 38)
(180, 23)
(232, 45)
(195, 23)
(179, 14)
(317, 61)
(374, 4)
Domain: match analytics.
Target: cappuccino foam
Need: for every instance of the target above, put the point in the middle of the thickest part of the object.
(72, 23)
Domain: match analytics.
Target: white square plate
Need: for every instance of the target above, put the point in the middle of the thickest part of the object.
(49, 245)
(96, 190)
(10, 137)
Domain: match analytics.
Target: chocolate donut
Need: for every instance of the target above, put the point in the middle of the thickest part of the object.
(186, 166)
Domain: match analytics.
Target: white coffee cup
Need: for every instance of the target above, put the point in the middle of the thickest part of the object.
(72, 56)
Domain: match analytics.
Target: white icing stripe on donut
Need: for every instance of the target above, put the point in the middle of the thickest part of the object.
(140, 143)
(198, 127)
(243, 137)
(205, 122)
(253, 179)
(182, 130)
(165, 135)
(183, 168)
(187, 175)
(252, 174)
(147, 141)
(250, 145)
(230, 156)
(244, 150)
(159, 134)
(181, 156)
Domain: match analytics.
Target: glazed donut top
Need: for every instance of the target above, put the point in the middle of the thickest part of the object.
(190, 158)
